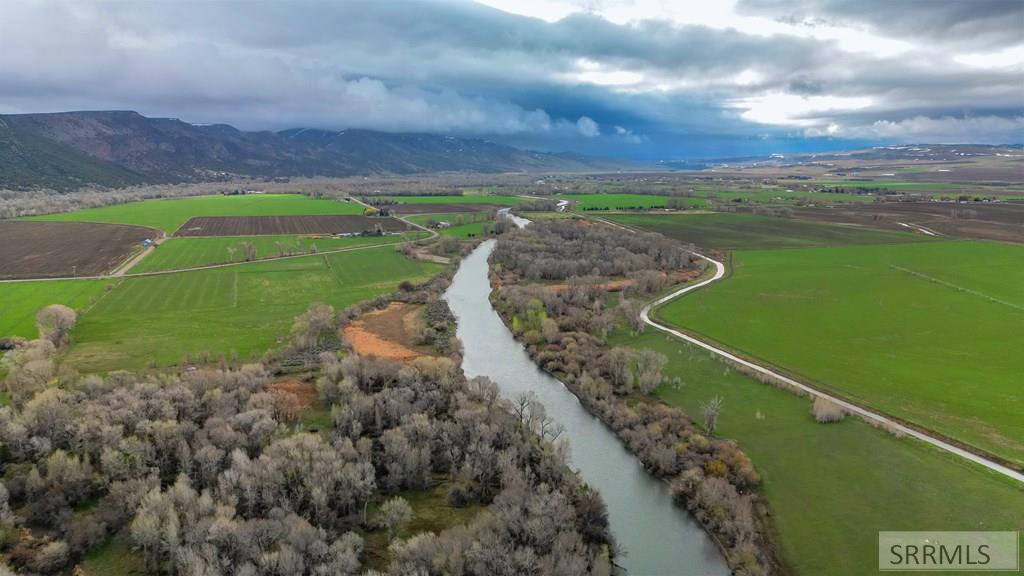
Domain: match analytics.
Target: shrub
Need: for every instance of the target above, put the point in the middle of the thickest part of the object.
(825, 411)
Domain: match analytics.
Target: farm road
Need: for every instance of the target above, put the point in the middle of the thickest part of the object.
(848, 406)
(122, 271)
(206, 267)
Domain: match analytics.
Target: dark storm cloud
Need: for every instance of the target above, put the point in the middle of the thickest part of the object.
(983, 24)
(463, 68)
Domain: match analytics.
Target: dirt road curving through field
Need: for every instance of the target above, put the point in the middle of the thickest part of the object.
(848, 406)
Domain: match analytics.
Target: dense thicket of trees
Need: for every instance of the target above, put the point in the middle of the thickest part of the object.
(564, 329)
(205, 473)
(559, 250)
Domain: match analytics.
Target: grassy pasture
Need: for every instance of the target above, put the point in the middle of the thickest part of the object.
(461, 223)
(623, 201)
(177, 253)
(241, 309)
(431, 513)
(19, 301)
(929, 332)
(115, 557)
(745, 231)
(791, 196)
(169, 214)
(702, 198)
(832, 487)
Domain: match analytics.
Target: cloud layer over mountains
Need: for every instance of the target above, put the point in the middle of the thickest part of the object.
(635, 77)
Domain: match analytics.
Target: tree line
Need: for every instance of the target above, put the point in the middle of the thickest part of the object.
(557, 250)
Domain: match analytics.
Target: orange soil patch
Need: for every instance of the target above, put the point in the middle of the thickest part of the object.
(304, 392)
(388, 333)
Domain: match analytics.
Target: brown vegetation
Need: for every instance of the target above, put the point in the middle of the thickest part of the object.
(1002, 221)
(59, 249)
(825, 410)
(388, 333)
(297, 391)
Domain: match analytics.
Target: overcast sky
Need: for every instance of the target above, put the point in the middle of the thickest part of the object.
(642, 78)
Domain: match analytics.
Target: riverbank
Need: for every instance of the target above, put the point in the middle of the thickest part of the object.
(658, 538)
(563, 330)
(471, 467)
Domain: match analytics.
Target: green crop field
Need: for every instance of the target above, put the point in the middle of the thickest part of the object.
(178, 253)
(243, 310)
(788, 197)
(741, 231)
(832, 487)
(624, 201)
(169, 215)
(19, 301)
(929, 332)
(460, 199)
(462, 225)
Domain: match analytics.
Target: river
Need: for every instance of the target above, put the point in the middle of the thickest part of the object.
(658, 537)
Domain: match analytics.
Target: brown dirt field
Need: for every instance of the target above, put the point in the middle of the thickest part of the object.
(286, 225)
(427, 208)
(304, 392)
(388, 333)
(58, 249)
(998, 221)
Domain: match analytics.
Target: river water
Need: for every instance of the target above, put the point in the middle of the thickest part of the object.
(658, 538)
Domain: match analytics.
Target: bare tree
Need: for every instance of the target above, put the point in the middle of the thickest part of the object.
(649, 366)
(55, 323)
(825, 411)
(312, 324)
(711, 409)
(395, 513)
(248, 251)
(631, 310)
(549, 328)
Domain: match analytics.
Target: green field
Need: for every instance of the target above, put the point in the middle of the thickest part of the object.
(743, 231)
(460, 199)
(462, 225)
(115, 557)
(243, 310)
(178, 253)
(832, 487)
(169, 215)
(929, 332)
(623, 201)
(780, 197)
(19, 301)
(702, 198)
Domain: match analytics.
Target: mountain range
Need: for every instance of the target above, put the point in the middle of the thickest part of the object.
(68, 150)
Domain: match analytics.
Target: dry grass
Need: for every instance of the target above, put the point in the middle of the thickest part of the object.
(826, 411)
(388, 333)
